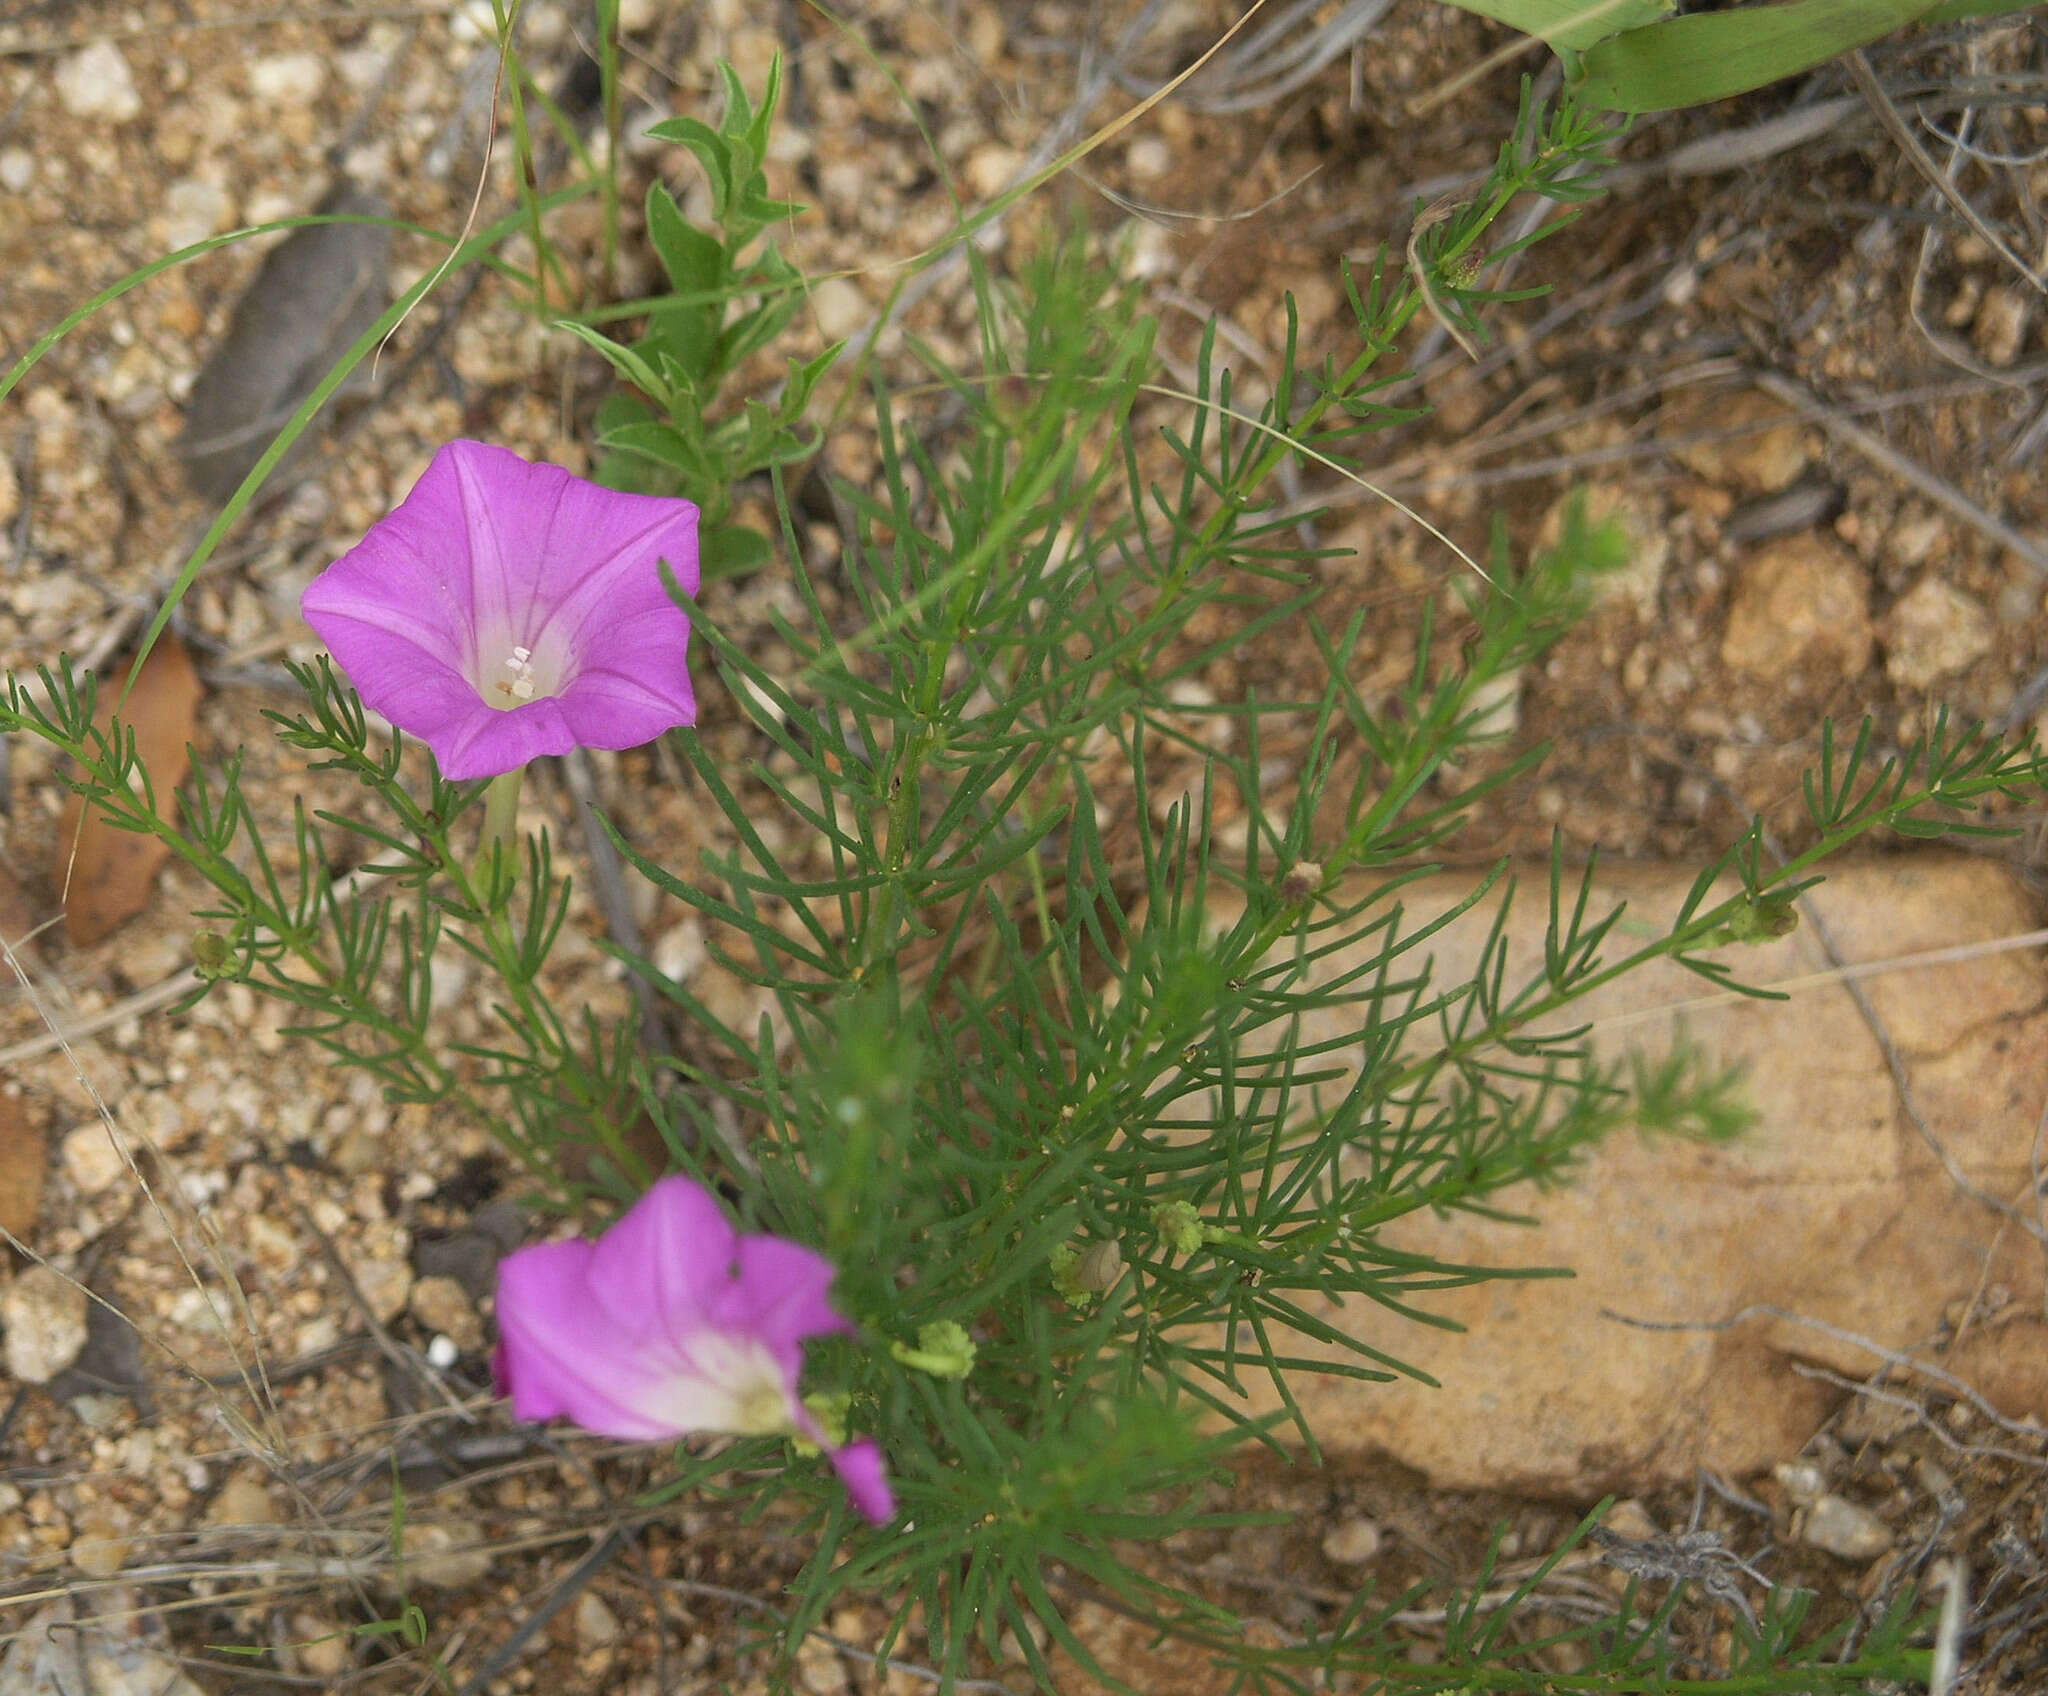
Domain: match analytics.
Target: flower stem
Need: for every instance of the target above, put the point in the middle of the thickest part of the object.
(501, 824)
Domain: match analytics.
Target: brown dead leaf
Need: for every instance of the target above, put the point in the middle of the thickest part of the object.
(17, 912)
(24, 1158)
(107, 876)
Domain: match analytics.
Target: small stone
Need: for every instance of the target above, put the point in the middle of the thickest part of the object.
(1841, 1528)
(1149, 159)
(597, 1627)
(97, 1547)
(92, 1160)
(17, 169)
(1353, 1542)
(450, 976)
(387, 1286)
(1801, 1480)
(819, 1669)
(1936, 1480)
(2001, 327)
(44, 1314)
(322, 1646)
(679, 950)
(275, 1249)
(1868, 1419)
(243, 1500)
(1934, 631)
(1913, 539)
(355, 1152)
(472, 23)
(1800, 604)
(95, 82)
(447, 1556)
(193, 209)
(288, 79)
(1767, 455)
(316, 1336)
(1495, 707)
(991, 169)
(840, 308)
(108, 1667)
(100, 1413)
(442, 1305)
(1630, 1519)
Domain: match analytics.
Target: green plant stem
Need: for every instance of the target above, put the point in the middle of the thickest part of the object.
(485, 895)
(608, 81)
(498, 844)
(545, 259)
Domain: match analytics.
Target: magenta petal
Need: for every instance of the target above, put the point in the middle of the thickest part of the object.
(561, 1356)
(860, 1468)
(488, 743)
(673, 1323)
(780, 1297)
(491, 565)
(658, 1270)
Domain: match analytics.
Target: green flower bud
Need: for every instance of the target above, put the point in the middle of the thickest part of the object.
(1063, 1262)
(943, 1349)
(1179, 1225)
(829, 1409)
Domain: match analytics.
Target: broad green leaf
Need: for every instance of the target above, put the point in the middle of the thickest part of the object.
(694, 261)
(1569, 23)
(689, 336)
(771, 97)
(1712, 55)
(804, 378)
(648, 438)
(747, 334)
(623, 360)
(1956, 10)
(730, 550)
(712, 153)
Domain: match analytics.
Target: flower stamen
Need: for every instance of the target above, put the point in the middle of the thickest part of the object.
(520, 685)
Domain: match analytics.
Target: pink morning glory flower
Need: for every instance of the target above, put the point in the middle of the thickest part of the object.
(671, 1323)
(506, 610)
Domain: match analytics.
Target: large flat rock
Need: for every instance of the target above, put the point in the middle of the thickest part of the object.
(1835, 1207)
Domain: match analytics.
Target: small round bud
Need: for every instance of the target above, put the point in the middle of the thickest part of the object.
(1300, 881)
(1011, 398)
(1179, 1224)
(1463, 271)
(1099, 1267)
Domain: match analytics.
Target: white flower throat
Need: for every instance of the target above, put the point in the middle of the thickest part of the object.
(516, 667)
(519, 687)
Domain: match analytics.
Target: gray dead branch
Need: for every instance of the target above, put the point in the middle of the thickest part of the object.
(315, 295)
